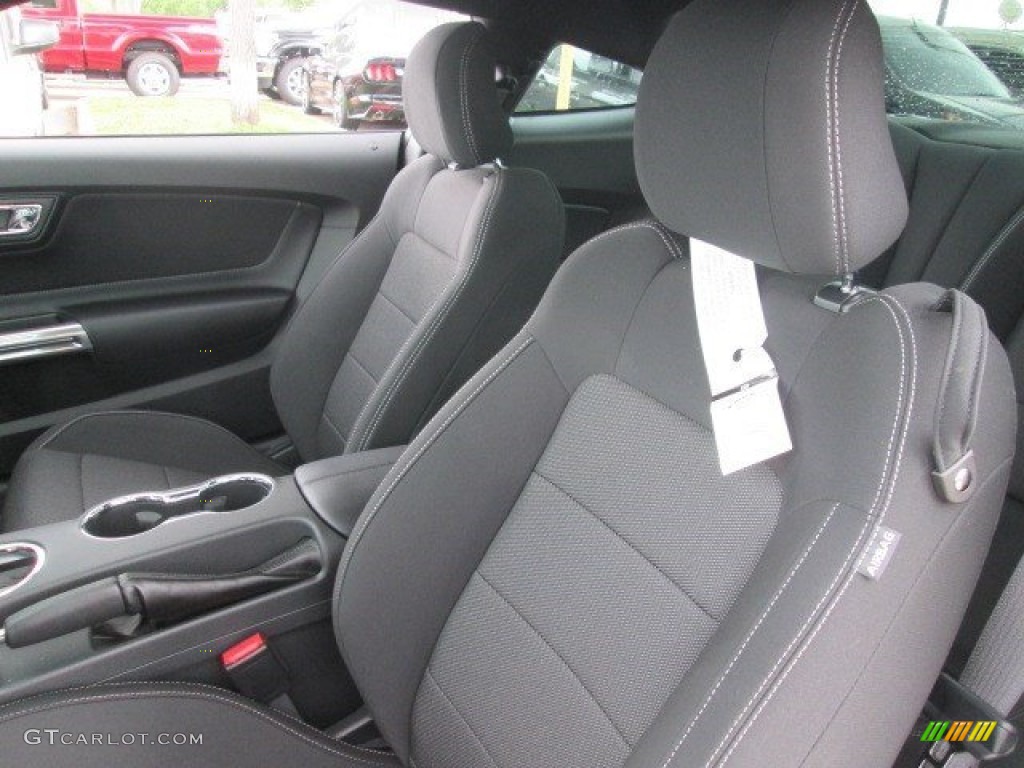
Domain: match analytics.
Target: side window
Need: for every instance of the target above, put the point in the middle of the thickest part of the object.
(5, 39)
(327, 67)
(958, 61)
(572, 79)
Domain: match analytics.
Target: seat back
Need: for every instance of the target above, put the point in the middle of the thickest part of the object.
(557, 573)
(456, 259)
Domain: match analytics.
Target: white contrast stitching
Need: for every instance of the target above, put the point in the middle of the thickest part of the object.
(981, 263)
(845, 241)
(367, 517)
(672, 246)
(830, 132)
(878, 494)
(888, 302)
(435, 323)
(467, 122)
(828, 139)
(750, 635)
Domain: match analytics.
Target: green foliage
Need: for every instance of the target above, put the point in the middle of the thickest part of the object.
(200, 8)
(1010, 11)
(203, 8)
(297, 5)
(134, 116)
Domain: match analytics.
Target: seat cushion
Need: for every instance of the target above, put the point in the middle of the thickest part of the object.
(144, 724)
(98, 456)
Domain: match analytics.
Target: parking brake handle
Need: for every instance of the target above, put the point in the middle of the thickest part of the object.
(156, 598)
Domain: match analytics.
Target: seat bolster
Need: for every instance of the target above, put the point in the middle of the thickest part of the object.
(101, 455)
(391, 608)
(510, 249)
(146, 723)
(323, 328)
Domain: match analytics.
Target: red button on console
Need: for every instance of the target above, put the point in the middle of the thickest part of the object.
(243, 651)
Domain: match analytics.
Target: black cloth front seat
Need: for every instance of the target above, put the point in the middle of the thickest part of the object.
(556, 573)
(449, 270)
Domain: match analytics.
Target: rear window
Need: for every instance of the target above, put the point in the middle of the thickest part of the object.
(954, 60)
(573, 79)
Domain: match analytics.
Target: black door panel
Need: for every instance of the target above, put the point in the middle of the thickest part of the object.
(117, 237)
(181, 258)
(164, 284)
(138, 344)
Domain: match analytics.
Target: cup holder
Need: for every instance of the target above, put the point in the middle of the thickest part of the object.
(19, 562)
(141, 512)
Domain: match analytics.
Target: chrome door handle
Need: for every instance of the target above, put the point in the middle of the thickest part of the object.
(47, 340)
(19, 220)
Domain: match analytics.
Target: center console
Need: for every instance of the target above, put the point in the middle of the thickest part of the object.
(155, 585)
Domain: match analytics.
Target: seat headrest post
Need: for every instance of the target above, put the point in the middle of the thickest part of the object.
(761, 128)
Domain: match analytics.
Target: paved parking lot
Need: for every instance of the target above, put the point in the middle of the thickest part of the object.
(71, 87)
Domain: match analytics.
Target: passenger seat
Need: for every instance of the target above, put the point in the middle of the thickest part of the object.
(449, 270)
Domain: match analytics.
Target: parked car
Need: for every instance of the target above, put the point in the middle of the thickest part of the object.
(931, 73)
(22, 88)
(283, 44)
(1002, 50)
(152, 53)
(357, 76)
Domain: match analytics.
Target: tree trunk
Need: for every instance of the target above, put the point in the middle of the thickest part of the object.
(245, 105)
(943, 8)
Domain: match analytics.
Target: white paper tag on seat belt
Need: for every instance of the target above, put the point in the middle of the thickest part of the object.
(750, 426)
(746, 410)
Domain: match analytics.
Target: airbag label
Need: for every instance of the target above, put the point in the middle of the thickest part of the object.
(879, 552)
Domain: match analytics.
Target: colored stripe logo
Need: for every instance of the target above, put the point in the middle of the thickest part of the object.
(959, 730)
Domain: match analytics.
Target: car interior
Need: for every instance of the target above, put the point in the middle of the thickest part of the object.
(412, 447)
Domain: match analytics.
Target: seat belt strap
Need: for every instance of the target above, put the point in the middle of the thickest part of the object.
(995, 669)
(746, 411)
(956, 416)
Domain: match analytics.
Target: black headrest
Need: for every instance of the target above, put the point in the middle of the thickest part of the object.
(761, 128)
(451, 96)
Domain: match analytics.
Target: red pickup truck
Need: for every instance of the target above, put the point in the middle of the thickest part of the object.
(151, 52)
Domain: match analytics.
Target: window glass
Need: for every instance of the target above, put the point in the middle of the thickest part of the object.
(22, 96)
(954, 60)
(572, 78)
(306, 66)
(5, 37)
